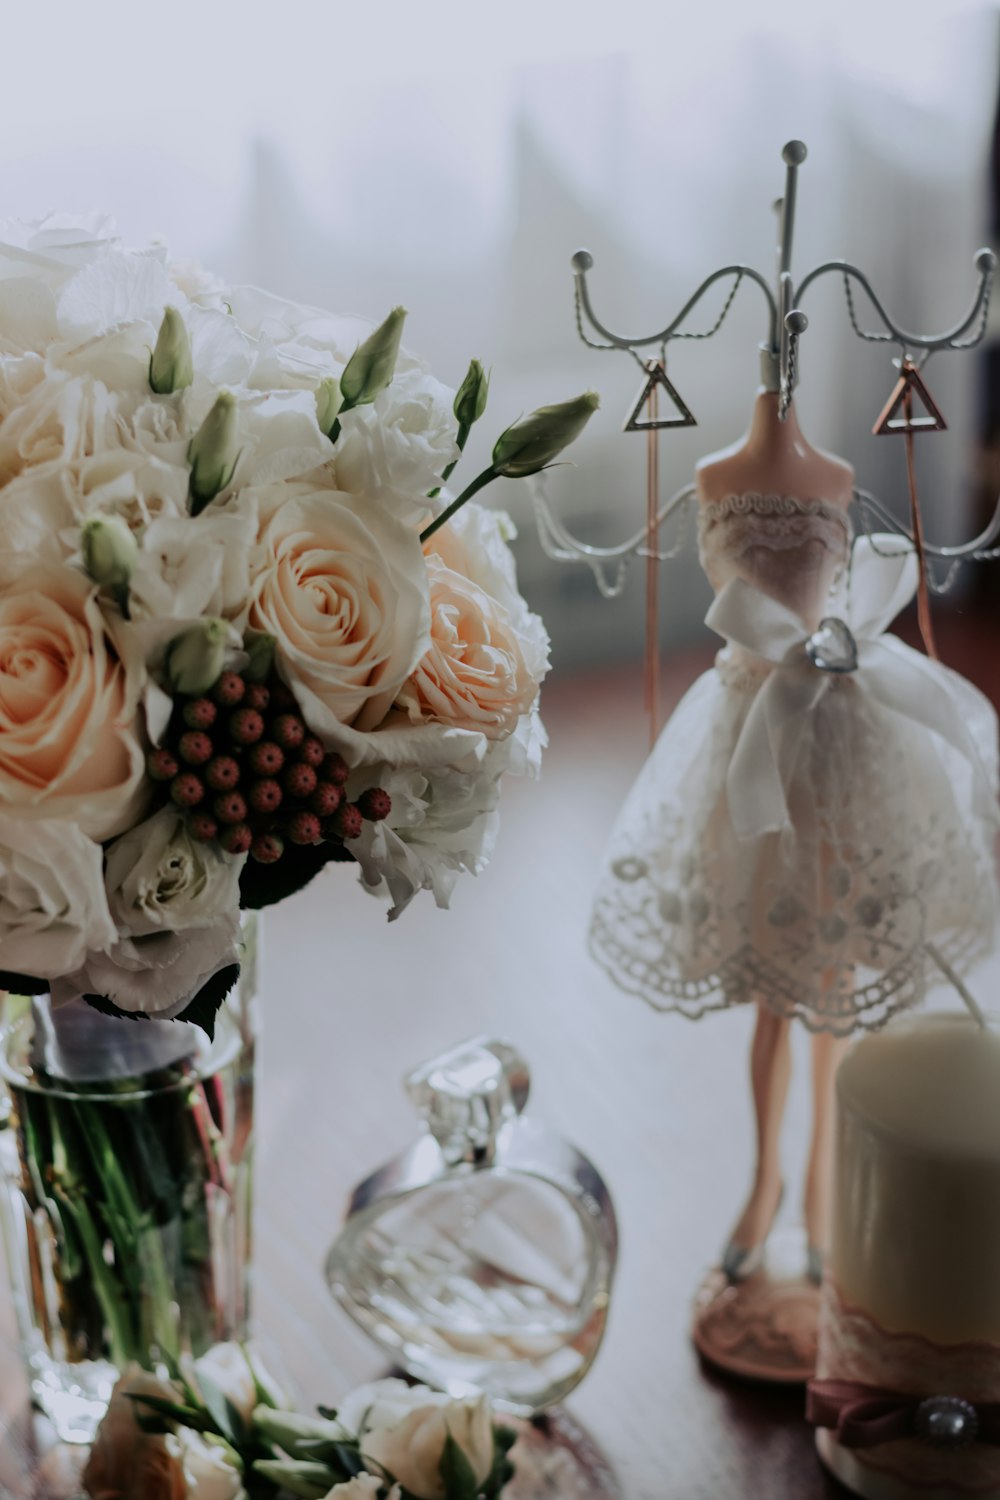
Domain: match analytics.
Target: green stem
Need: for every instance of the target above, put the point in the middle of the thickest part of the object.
(479, 483)
(449, 469)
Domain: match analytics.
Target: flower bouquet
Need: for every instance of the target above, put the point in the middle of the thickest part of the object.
(219, 1430)
(245, 632)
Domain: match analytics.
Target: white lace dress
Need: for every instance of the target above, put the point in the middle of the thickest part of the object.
(803, 837)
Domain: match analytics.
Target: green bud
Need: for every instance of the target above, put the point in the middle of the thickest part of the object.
(329, 401)
(372, 365)
(171, 367)
(213, 452)
(311, 1481)
(109, 552)
(196, 658)
(534, 442)
(302, 1438)
(259, 648)
(470, 402)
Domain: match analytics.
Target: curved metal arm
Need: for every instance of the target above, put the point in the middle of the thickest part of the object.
(583, 261)
(561, 545)
(985, 262)
(978, 545)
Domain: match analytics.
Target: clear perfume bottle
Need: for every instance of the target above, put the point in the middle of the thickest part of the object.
(482, 1258)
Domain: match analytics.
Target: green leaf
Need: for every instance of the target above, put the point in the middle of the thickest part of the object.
(457, 1474)
(301, 1437)
(22, 984)
(265, 885)
(186, 1416)
(228, 1421)
(208, 1002)
(310, 1481)
(108, 1008)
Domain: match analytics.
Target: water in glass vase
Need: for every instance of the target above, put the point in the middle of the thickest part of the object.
(125, 1158)
(483, 1258)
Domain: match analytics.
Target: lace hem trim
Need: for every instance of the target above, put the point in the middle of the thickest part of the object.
(746, 976)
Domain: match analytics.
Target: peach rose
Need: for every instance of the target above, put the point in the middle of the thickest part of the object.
(126, 1463)
(68, 746)
(344, 593)
(474, 675)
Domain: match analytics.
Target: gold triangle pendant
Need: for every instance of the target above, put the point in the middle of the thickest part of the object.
(656, 379)
(908, 386)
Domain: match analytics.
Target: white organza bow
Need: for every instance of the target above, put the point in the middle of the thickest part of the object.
(883, 580)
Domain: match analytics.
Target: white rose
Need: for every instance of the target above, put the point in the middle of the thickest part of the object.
(175, 902)
(403, 1430)
(343, 589)
(228, 1368)
(396, 449)
(209, 1468)
(52, 902)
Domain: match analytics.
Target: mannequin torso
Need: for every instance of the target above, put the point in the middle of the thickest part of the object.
(774, 459)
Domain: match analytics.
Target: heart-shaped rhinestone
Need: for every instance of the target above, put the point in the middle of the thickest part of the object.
(832, 647)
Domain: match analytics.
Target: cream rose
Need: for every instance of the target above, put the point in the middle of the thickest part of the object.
(344, 592)
(65, 419)
(362, 1487)
(68, 730)
(52, 902)
(403, 1431)
(474, 674)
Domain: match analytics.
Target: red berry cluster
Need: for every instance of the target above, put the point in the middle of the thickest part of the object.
(243, 766)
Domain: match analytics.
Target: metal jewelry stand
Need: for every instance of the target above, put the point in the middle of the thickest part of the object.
(786, 322)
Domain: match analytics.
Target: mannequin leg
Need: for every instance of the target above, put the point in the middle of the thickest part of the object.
(827, 1052)
(770, 1072)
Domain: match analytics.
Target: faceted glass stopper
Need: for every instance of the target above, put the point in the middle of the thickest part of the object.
(832, 647)
(468, 1094)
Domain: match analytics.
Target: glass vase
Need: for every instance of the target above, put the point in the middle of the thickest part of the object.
(125, 1153)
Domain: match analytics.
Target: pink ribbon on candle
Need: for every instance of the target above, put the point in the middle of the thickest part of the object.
(865, 1416)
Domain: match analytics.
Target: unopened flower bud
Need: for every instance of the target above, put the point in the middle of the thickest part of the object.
(213, 451)
(171, 367)
(530, 445)
(196, 657)
(259, 648)
(329, 400)
(109, 552)
(470, 401)
(372, 365)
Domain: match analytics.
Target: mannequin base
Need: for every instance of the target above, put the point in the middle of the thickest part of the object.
(870, 1484)
(765, 1327)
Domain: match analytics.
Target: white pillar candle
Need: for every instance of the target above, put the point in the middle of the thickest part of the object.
(912, 1301)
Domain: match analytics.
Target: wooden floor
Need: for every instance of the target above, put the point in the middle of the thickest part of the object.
(350, 1003)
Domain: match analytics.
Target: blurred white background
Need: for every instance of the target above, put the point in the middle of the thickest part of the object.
(451, 155)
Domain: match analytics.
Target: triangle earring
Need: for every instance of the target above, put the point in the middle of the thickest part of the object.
(656, 380)
(908, 386)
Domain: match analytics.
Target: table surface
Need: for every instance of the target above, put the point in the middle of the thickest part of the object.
(350, 1004)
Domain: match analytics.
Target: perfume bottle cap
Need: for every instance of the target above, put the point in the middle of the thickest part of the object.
(467, 1095)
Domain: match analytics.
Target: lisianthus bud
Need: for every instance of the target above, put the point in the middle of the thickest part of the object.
(171, 367)
(213, 451)
(259, 647)
(196, 657)
(109, 552)
(372, 365)
(329, 400)
(538, 439)
(470, 402)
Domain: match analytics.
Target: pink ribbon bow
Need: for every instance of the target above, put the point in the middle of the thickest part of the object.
(864, 1416)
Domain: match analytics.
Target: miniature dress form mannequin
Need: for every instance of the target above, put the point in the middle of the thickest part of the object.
(810, 834)
(774, 459)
